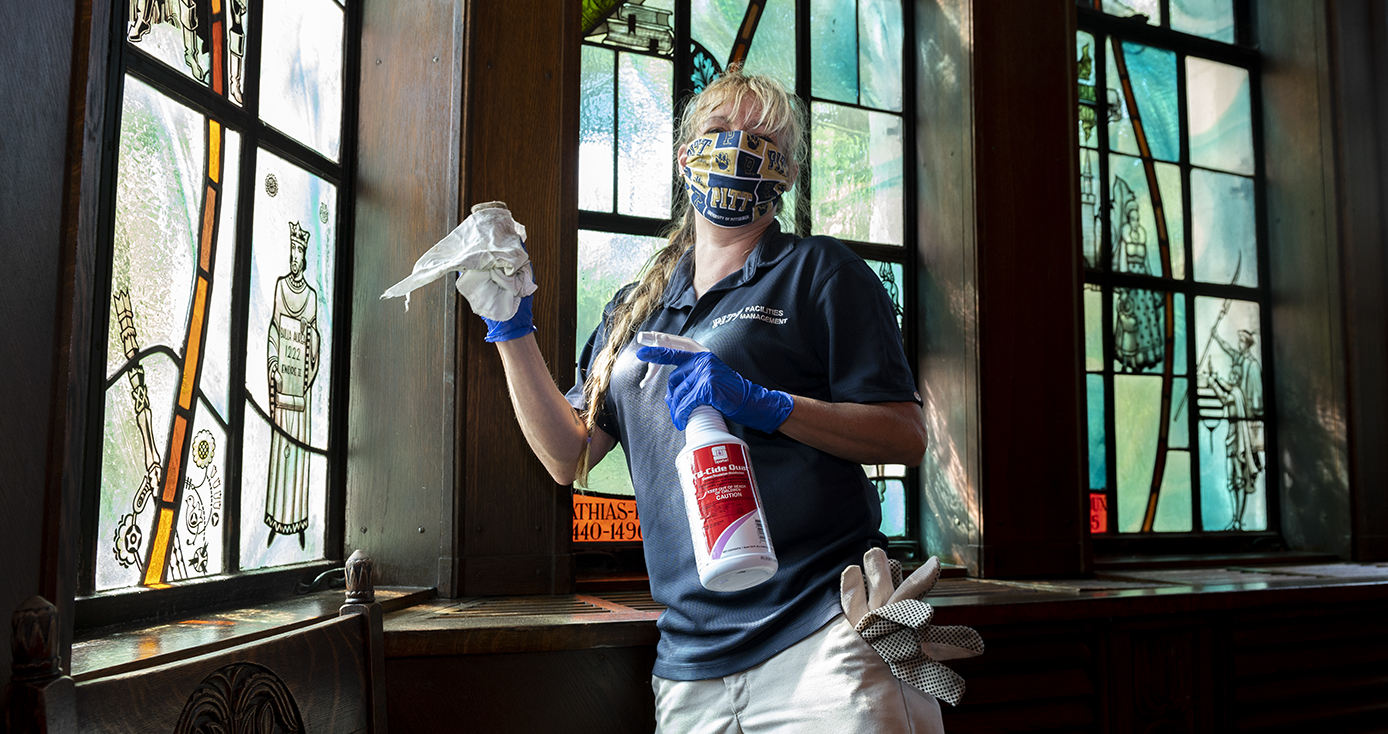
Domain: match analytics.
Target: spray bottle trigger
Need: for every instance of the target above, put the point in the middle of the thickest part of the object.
(668, 341)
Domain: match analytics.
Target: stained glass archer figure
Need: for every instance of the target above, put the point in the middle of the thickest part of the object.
(292, 342)
(185, 15)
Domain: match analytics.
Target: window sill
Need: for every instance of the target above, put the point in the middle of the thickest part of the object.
(122, 650)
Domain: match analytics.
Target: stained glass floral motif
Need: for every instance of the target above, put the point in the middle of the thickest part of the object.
(301, 72)
(288, 366)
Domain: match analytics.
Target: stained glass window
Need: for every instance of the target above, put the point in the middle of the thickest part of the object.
(218, 341)
(851, 76)
(1174, 301)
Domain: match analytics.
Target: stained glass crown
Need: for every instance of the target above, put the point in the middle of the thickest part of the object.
(298, 236)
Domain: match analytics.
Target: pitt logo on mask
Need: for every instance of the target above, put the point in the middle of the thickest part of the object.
(734, 178)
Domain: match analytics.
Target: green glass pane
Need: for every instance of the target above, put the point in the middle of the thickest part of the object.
(1136, 419)
(1219, 115)
(288, 365)
(890, 481)
(879, 53)
(1088, 80)
(772, 52)
(1178, 436)
(1098, 449)
(1213, 19)
(1224, 235)
(216, 366)
(175, 36)
(1139, 331)
(1230, 397)
(1152, 73)
(301, 72)
(596, 130)
(856, 192)
(1173, 501)
(714, 24)
(1136, 238)
(1093, 328)
(1091, 221)
(645, 135)
(640, 26)
(834, 50)
(1126, 8)
(606, 262)
(893, 280)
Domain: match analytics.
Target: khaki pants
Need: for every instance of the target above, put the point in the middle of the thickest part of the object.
(831, 682)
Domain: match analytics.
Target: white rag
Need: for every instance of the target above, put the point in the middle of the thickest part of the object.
(488, 247)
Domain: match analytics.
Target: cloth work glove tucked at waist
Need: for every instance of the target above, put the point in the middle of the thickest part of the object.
(894, 618)
(489, 250)
(701, 378)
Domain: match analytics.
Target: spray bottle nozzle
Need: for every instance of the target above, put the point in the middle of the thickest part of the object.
(668, 341)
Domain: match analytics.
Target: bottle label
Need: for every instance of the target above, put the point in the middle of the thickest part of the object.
(722, 478)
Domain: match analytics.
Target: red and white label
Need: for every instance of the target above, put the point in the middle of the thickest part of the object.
(723, 492)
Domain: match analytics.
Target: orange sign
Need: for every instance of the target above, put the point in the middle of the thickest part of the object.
(605, 520)
(1098, 513)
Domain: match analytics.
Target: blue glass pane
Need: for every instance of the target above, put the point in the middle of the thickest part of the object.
(597, 120)
(834, 50)
(1219, 115)
(1230, 398)
(713, 24)
(1224, 234)
(879, 53)
(1098, 456)
(1213, 19)
(893, 280)
(1152, 73)
(889, 479)
(1178, 434)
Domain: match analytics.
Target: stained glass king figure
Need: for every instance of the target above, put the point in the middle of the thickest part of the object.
(292, 342)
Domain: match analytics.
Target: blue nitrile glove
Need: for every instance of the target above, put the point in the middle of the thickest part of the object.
(701, 378)
(513, 328)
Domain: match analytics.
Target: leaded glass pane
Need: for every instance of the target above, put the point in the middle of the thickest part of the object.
(1136, 237)
(1152, 73)
(1093, 328)
(1139, 331)
(772, 52)
(1136, 427)
(879, 53)
(169, 174)
(1224, 236)
(890, 481)
(645, 137)
(857, 160)
(834, 50)
(288, 365)
(216, 368)
(199, 550)
(1213, 19)
(1220, 116)
(713, 24)
(1230, 392)
(236, 24)
(596, 132)
(174, 33)
(301, 72)
(893, 280)
(1126, 8)
(1098, 451)
(1091, 220)
(639, 25)
(1088, 80)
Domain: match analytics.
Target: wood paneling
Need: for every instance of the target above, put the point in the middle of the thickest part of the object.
(519, 138)
(401, 477)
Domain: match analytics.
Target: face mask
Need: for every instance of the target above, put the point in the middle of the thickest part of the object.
(734, 178)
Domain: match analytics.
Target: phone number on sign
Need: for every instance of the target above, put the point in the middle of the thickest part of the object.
(599, 531)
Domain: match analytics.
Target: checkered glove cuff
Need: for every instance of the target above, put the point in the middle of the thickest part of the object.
(896, 621)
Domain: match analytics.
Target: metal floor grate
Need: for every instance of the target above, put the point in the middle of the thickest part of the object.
(527, 606)
(638, 600)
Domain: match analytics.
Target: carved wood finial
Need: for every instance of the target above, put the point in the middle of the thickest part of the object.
(360, 590)
(34, 645)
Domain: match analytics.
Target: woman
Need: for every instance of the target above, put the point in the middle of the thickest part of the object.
(807, 365)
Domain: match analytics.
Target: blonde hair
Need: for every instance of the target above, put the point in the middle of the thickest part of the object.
(782, 116)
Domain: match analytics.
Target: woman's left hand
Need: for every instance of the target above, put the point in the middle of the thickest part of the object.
(701, 378)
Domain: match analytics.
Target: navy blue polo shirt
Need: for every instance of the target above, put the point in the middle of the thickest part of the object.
(806, 316)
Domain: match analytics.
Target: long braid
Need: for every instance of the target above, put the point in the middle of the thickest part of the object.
(626, 317)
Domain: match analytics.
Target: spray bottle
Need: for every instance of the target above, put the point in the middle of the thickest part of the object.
(731, 545)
